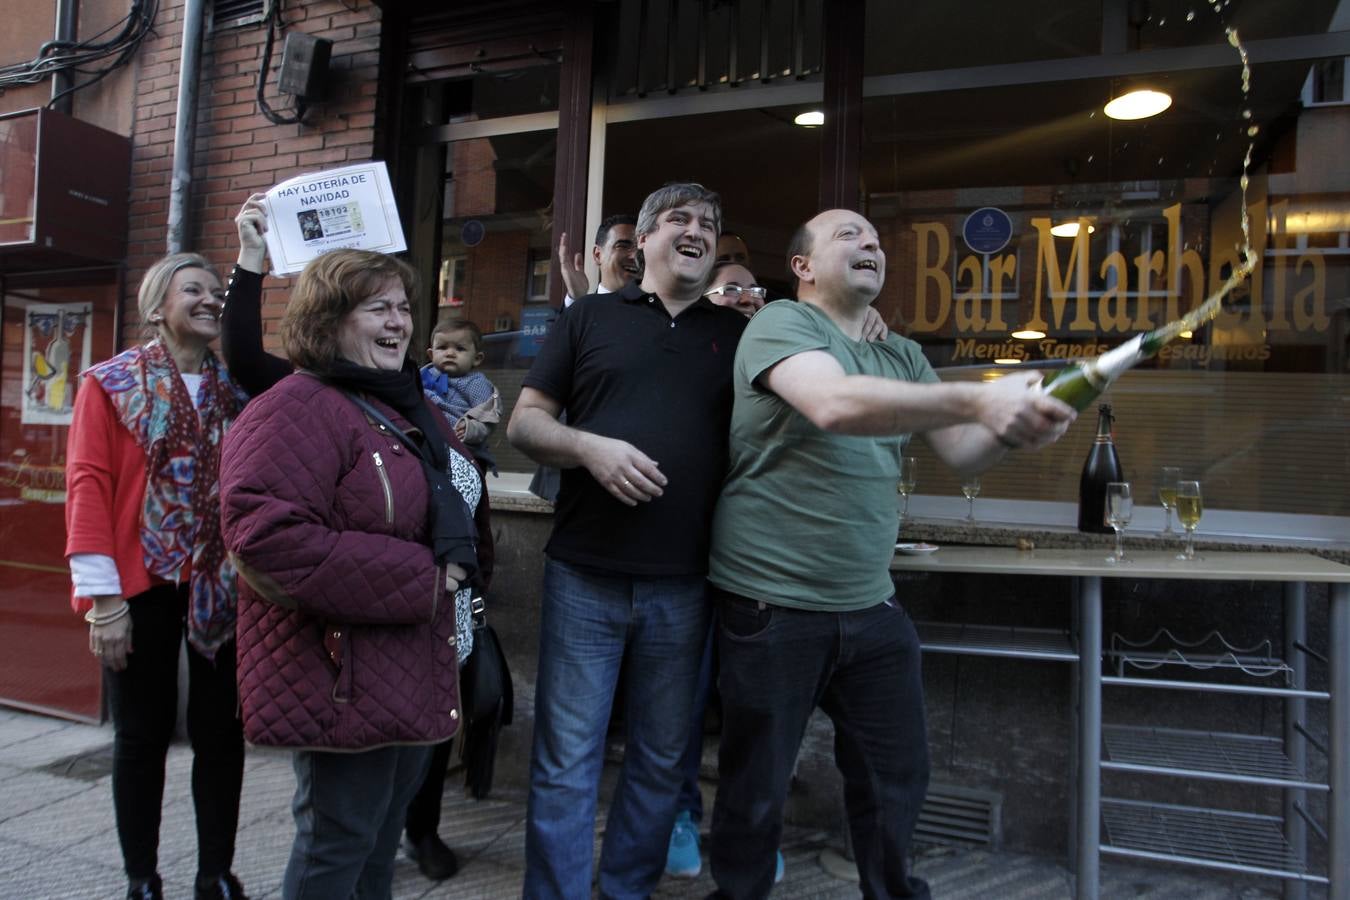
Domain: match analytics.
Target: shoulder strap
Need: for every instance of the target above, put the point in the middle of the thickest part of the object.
(477, 608)
(381, 419)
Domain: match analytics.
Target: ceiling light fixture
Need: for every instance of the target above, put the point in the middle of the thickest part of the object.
(1028, 334)
(1006, 361)
(1069, 229)
(810, 119)
(1139, 103)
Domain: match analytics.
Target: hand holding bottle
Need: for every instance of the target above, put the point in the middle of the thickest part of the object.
(1021, 414)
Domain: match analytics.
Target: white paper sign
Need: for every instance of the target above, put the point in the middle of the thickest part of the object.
(351, 207)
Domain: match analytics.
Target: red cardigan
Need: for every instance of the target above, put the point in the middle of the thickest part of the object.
(105, 491)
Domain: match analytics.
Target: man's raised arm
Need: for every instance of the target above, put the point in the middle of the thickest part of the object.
(969, 426)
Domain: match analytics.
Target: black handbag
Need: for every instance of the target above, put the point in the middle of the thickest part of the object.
(488, 698)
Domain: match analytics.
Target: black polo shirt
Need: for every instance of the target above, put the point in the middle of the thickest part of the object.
(623, 368)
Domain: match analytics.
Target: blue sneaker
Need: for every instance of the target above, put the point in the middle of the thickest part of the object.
(682, 858)
(778, 868)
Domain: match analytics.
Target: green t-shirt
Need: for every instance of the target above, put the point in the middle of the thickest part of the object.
(807, 519)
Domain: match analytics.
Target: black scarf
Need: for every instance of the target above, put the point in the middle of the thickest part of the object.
(451, 533)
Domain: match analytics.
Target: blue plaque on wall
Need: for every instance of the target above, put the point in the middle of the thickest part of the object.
(472, 232)
(987, 230)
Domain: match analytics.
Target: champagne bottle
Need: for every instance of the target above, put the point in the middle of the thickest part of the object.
(1081, 382)
(1101, 468)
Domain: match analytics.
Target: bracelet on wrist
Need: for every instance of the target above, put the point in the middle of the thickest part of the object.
(94, 618)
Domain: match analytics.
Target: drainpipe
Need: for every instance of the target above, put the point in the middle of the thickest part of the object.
(67, 12)
(184, 131)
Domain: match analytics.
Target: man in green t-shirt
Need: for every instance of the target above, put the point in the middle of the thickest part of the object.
(820, 421)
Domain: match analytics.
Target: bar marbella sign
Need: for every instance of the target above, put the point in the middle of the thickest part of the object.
(980, 294)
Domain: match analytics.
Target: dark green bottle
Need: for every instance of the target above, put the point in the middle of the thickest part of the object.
(1101, 468)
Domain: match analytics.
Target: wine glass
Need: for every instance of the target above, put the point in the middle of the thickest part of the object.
(1119, 507)
(971, 488)
(1167, 495)
(905, 486)
(1189, 508)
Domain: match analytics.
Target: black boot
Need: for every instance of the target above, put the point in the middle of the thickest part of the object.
(149, 890)
(435, 860)
(222, 887)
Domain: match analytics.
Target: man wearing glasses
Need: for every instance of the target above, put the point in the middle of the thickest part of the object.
(819, 422)
(735, 287)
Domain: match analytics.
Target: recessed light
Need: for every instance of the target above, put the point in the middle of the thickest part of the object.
(1069, 229)
(1028, 334)
(810, 119)
(1138, 104)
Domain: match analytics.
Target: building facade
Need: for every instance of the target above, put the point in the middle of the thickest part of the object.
(1022, 224)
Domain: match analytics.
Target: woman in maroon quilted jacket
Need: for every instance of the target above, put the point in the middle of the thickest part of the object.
(358, 524)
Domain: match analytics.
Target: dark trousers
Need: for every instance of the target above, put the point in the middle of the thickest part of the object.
(424, 812)
(349, 809)
(862, 669)
(143, 698)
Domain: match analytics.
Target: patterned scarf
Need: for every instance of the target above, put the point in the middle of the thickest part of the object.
(181, 517)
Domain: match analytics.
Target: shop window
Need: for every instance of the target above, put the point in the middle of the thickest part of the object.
(763, 165)
(1247, 404)
(536, 290)
(1326, 83)
(492, 242)
(454, 270)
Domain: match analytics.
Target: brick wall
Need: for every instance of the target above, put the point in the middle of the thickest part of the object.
(475, 179)
(238, 151)
(495, 282)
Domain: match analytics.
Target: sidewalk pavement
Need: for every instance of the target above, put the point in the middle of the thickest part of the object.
(58, 840)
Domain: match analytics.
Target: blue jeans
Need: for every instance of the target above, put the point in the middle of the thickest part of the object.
(862, 669)
(349, 811)
(590, 621)
(691, 796)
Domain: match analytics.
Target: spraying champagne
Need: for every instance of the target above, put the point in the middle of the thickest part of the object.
(1080, 383)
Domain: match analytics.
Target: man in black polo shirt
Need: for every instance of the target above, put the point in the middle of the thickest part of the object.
(644, 375)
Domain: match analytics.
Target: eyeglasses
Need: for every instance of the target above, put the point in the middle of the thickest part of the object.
(733, 292)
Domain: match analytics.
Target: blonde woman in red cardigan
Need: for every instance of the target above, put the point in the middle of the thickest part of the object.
(148, 566)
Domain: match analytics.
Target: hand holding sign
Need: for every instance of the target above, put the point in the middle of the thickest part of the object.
(351, 207)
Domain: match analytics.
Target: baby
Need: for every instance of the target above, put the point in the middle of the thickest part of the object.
(463, 395)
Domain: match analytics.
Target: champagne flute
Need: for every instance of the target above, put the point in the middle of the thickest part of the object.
(971, 488)
(1189, 508)
(1119, 507)
(905, 486)
(1167, 495)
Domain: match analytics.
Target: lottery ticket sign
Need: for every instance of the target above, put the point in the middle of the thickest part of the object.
(351, 207)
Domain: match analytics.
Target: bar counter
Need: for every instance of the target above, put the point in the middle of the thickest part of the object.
(1274, 846)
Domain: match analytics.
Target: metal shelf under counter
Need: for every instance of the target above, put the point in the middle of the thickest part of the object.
(1009, 642)
(1275, 846)
(1214, 756)
(1207, 838)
